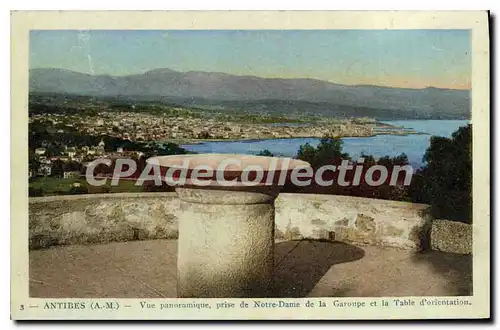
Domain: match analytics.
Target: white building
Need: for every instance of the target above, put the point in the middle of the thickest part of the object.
(40, 151)
(71, 152)
(71, 174)
(100, 148)
(45, 170)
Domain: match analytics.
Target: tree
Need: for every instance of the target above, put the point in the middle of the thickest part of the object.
(34, 163)
(170, 149)
(328, 151)
(389, 162)
(306, 153)
(53, 150)
(369, 160)
(446, 180)
(266, 153)
(58, 167)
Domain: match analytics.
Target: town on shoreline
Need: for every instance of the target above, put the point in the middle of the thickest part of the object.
(159, 121)
(148, 127)
(66, 133)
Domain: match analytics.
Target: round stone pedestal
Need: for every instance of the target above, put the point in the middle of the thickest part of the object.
(226, 221)
(226, 243)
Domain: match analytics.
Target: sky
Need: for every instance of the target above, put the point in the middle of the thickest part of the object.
(397, 58)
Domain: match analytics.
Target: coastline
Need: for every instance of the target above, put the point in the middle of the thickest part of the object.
(248, 140)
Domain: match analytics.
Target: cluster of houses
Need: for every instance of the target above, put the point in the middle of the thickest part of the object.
(146, 127)
(74, 159)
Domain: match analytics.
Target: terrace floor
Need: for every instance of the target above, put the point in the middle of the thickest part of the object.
(147, 269)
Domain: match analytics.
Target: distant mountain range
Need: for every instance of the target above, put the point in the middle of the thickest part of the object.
(213, 90)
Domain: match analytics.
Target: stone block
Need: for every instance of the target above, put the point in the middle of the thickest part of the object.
(451, 236)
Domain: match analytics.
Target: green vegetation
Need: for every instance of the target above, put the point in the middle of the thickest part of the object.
(266, 153)
(446, 181)
(50, 186)
(46, 186)
(328, 151)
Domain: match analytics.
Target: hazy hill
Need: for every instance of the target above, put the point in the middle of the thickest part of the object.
(213, 89)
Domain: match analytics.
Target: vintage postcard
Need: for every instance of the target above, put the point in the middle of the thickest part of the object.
(250, 165)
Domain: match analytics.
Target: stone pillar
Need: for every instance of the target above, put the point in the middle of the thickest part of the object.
(226, 243)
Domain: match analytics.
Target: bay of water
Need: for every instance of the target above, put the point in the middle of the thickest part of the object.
(413, 145)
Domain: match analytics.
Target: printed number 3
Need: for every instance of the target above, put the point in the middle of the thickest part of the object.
(21, 307)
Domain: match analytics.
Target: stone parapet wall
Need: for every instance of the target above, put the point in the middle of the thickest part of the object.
(351, 219)
(101, 218)
(451, 236)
